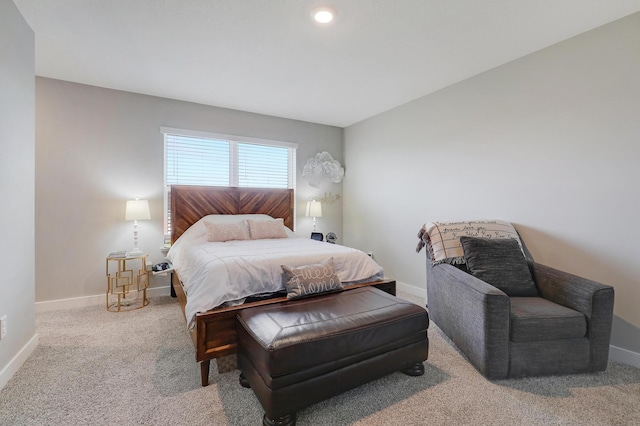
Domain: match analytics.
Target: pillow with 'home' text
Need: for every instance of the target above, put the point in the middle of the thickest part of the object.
(311, 279)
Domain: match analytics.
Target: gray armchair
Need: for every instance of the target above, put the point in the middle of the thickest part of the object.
(564, 330)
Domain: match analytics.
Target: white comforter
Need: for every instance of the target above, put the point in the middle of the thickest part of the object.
(217, 273)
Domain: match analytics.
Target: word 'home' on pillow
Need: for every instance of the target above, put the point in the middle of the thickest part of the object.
(311, 279)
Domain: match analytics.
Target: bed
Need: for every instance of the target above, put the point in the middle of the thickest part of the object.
(213, 331)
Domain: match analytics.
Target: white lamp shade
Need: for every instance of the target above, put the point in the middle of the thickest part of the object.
(137, 210)
(314, 208)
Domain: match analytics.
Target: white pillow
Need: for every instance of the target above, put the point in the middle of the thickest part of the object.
(199, 231)
(262, 229)
(221, 232)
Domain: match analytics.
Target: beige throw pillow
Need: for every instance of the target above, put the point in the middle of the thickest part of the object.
(312, 279)
(220, 232)
(261, 229)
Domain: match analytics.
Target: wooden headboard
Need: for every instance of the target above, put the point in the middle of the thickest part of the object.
(190, 203)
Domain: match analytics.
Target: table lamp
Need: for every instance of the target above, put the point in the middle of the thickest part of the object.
(136, 210)
(314, 209)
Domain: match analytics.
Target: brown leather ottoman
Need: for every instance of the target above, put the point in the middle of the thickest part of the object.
(297, 353)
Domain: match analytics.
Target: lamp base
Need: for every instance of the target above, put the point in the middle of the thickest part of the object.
(135, 252)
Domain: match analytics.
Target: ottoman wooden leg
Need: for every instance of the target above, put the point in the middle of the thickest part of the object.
(204, 372)
(415, 370)
(286, 420)
(243, 381)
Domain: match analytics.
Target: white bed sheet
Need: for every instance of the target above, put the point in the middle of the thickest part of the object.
(217, 273)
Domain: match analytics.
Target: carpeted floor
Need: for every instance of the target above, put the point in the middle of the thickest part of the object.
(94, 367)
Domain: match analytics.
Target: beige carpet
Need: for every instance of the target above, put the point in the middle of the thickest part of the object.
(94, 367)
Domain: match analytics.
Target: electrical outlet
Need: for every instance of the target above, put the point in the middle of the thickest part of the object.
(3, 327)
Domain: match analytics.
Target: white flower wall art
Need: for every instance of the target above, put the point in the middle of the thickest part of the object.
(322, 167)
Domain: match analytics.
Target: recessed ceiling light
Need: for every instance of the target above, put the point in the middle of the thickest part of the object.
(324, 14)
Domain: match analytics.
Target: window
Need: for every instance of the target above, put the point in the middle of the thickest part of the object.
(196, 161)
(198, 158)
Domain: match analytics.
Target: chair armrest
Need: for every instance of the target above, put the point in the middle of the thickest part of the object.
(593, 299)
(473, 314)
(581, 294)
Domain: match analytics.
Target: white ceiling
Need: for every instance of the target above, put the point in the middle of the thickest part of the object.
(267, 56)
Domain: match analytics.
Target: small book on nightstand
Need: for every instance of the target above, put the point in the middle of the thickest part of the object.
(119, 253)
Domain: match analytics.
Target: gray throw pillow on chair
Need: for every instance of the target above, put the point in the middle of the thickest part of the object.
(499, 262)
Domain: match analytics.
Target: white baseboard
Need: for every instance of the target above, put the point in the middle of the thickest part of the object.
(624, 356)
(412, 290)
(14, 365)
(79, 302)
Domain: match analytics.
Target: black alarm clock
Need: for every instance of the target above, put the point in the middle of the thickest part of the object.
(317, 236)
(331, 238)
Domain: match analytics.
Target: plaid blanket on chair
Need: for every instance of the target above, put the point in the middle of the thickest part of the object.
(443, 238)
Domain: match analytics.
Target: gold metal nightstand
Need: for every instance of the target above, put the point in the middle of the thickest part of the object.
(123, 282)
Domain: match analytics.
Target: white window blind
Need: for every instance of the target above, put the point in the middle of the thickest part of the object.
(261, 166)
(196, 158)
(196, 161)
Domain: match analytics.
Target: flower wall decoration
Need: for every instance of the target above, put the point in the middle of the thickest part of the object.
(322, 167)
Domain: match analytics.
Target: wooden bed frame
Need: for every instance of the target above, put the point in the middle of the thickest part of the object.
(214, 334)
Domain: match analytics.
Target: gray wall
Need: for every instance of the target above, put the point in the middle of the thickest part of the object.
(17, 147)
(96, 148)
(550, 142)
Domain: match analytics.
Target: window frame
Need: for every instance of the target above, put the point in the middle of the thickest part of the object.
(233, 140)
